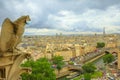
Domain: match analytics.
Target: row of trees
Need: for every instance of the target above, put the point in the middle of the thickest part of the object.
(42, 68)
(90, 68)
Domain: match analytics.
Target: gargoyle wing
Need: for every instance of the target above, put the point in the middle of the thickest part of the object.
(6, 34)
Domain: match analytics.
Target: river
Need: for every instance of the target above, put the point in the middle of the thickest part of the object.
(99, 62)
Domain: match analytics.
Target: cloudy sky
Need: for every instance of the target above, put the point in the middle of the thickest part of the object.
(64, 16)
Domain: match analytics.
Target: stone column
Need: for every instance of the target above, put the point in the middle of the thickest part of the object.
(119, 60)
(10, 68)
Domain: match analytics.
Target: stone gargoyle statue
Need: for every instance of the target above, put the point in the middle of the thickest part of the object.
(11, 33)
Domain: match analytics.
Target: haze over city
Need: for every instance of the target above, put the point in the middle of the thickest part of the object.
(49, 17)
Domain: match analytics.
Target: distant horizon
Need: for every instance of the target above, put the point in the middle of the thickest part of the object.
(68, 34)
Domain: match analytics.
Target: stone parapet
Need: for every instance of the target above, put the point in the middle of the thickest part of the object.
(10, 65)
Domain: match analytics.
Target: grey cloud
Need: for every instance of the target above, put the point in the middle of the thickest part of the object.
(39, 10)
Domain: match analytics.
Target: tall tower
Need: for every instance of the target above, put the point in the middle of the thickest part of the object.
(104, 31)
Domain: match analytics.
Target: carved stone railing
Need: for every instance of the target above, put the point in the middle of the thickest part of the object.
(10, 68)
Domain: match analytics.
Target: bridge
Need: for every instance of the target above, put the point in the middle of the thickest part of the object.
(75, 68)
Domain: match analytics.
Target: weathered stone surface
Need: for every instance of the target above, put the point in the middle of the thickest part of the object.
(10, 58)
(10, 65)
(11, 33)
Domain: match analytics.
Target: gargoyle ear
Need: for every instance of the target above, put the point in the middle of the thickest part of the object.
(27, 15)
(28, 18)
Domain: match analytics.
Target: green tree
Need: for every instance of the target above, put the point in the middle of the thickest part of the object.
(41, 70)
(58, 61)
(100, 44)
(89, 68)
(108, 58)
(87, 76)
